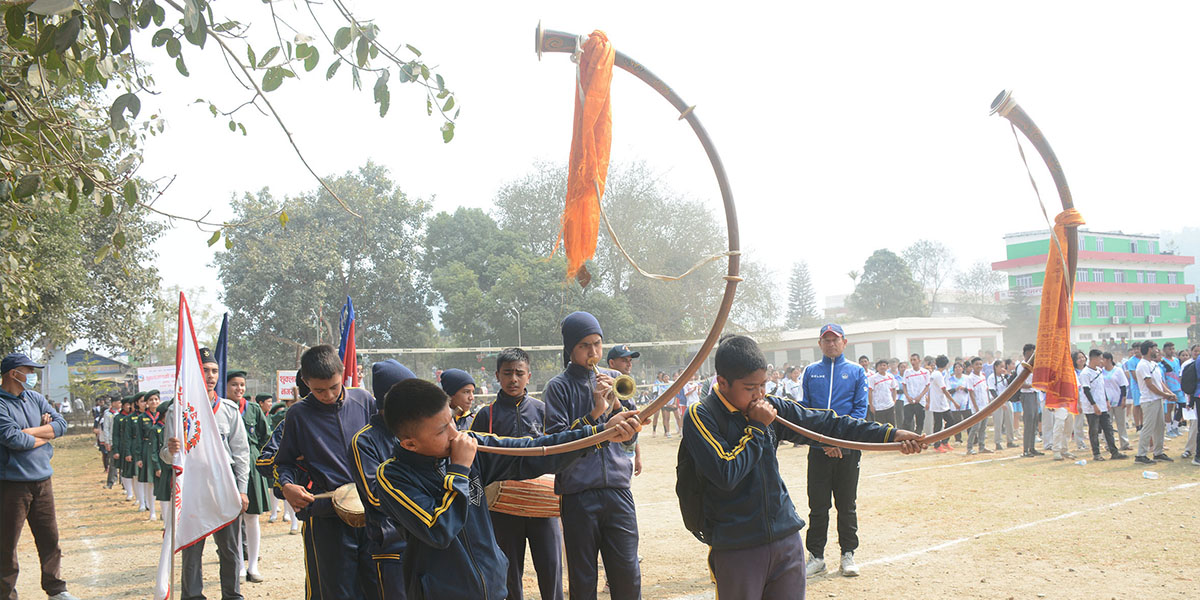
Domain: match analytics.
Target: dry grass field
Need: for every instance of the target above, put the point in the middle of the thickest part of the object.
(931, 526)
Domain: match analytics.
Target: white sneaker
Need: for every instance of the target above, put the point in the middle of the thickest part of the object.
(849, 569)
(63, 596)
(814, 566)
(1196, 462)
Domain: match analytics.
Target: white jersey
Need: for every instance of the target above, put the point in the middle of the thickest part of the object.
(1148, 369)
(978, 385)
(1093, 380)
(881, 387)
(939, 401)
(915, 382)
(1114, 379)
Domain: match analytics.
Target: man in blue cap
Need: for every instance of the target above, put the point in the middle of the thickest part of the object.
(27, 424)
(838, 385)
(620, 359)
(597, 504)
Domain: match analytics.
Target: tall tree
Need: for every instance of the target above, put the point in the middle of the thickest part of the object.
(802, 300)
(931, 264)
(977, 287)
(886, 289)
(1020, 323)
(285, 286)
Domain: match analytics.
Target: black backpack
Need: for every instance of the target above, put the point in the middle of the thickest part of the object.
(1188, 381)
(690, 487)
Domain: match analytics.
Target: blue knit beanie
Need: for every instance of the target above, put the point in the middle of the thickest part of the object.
(575, 327)
(385, 374)
(454, 380)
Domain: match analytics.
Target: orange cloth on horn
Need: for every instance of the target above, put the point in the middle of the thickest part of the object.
(591, 141)
(1053, 369)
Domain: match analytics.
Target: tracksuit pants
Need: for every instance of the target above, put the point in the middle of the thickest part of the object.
(390, 571)
(1003, 423)
(337, 562)
(601, 521)
(771, 571)
(1029, 419)
(836, 477)
(1118, 417)
(977, 435)
(543, 535)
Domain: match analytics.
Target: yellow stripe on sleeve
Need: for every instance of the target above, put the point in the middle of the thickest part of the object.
(413, 507)
(358, 462)
(741, 445)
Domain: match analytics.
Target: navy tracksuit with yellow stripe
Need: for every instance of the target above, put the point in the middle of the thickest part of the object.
(451, 551)
(371, 446)
(747, 509)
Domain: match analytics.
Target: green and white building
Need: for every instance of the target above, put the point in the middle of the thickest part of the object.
(1125, 287)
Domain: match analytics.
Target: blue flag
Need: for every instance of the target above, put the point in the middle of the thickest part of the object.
(221, 353)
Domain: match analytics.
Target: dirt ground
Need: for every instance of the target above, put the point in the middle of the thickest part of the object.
(995, 526)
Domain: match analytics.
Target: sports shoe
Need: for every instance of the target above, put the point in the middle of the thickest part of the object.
(986, 451)
(1068, 455)
(1196, 462)
(1119, 456)
(63, 596)
(1163, 457)
(814, 566)
(1000, 448)
(271, 519)
(849, 569)
(254, 578)
(1058, 456)
(970, 452)
(1142, 460)
(1036, 453)
(1186, 454)
(1097, 458)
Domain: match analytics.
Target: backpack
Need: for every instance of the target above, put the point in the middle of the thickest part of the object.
(1188, 381)
(690, 487)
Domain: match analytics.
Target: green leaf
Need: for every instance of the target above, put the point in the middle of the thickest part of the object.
(440, 82)
(228, 243)
(447, 132)
(361, 51)
(413, 50)
(51, 7)
(213, 109)
(283, 218)
(161, 36)
(107, 208)
(116, 113)
(173, 48)
(268, 56)
(67, 33)
(243, 128)
(199, 34)
(428, 106)
(313, 58)
(250, 55)
(182, 68)
(302, 51)
(118, 239)
(272, 79)
(117, 11)
(102, 254)
(216, 237)
(355, 79)
(14, 20)
(333, 69)
(342, 39)
(232, 125)
(226, 26)
(74, 205)
(27, 186)
(160, 15)
(145, 14)
(45, 40)
(130, 192)
(119, 40)
(448, 105)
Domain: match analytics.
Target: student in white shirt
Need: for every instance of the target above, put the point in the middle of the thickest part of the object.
(916, 395)
(1003, 422)
(1094, 405)
(940, 403)
(976, 385)
(882, 387)
(1116, 387)
(1153, 392)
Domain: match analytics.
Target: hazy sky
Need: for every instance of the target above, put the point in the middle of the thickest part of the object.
(844, 127)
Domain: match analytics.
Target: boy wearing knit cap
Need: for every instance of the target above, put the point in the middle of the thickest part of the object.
(460, 386)
(372, 445)
(598, 516)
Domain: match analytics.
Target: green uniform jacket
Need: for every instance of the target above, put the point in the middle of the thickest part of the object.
(162, 484)
(258, 433)
(143, 453)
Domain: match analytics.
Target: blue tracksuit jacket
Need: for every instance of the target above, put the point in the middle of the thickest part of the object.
(452, 551)
(371, 446)
(838, 385)
(569, 398)
(511, 417)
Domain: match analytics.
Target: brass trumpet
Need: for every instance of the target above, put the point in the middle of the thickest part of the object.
(624, 386)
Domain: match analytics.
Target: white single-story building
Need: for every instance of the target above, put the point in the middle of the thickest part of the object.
(893, 338)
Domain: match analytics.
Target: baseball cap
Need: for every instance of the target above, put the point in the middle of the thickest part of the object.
(834, 327)
(621, 351)
(15, 360)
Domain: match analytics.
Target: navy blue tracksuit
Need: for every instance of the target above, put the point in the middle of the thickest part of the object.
(598, 516)
(749, 517)
(523, 417)
(452, 550)
(315, 441)
(371, 446)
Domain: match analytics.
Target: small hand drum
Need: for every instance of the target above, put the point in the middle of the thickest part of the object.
(348, 505)
(528, 498)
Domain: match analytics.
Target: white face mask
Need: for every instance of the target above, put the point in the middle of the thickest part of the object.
(31, 381)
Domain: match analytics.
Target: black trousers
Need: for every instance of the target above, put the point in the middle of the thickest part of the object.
(836, 477)
(601, 521)
(959, 417)
(1096, 424)
(511, 534)
(886, 416)
(914, 417)
(1029, 420)
(944, 420)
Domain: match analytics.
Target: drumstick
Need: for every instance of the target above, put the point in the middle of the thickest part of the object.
(324, 495)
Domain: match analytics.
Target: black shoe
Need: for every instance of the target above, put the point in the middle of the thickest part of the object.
(1163, 457)
(1012, 445)
(1036, 453)
(1097, 458)
(1119, 456)
(1142, 460)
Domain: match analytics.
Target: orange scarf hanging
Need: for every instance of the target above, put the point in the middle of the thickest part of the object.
(1053, 368)
(591, 141)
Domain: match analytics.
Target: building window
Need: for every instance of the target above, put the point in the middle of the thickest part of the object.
(1140, 334)
(1085, 336)
(1156, 334)
(1141, 277)
(1155, 309)
(1102, 309)
(1081, 275)
(1139, 309)
(1173, 304)
(1151, 277)
(1085, 310)
(1097, 275)
(1133, 246)
(1119, 276)
(1024, 281)
(1172, 278)
(1119, 309)
(1099, 244)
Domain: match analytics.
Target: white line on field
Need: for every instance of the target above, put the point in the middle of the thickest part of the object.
(962, 464)
(955, 542)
